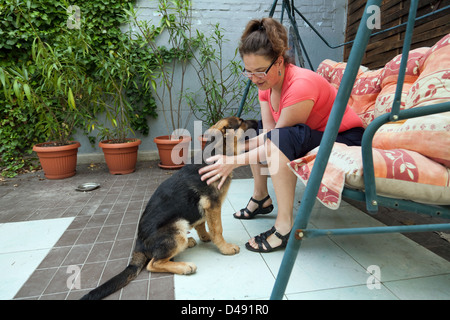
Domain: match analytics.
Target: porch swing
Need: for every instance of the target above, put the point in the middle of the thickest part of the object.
(368, 192)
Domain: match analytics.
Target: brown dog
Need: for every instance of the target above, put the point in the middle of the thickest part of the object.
(180, 203)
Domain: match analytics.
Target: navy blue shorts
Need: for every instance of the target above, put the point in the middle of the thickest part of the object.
(297, 141)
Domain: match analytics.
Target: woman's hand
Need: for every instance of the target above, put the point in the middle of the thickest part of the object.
(220, 169)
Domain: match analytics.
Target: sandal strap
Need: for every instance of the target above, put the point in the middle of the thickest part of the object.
(259, 210)
(262, 239)
(260, 202)
(284, 239)
(260, 242)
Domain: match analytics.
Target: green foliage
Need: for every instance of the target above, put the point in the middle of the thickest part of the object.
(165, 77)
(60, 90)
(44, 89)
(18, 130)
(61, 66)
(50, 18)
(222, 85)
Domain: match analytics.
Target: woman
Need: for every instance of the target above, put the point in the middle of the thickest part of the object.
(295, 106)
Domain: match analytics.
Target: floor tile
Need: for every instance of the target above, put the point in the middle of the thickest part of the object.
(346, 293)
(424, 288)
(397, 256)
(330, 267)
(16, 269)
(23, 245)
(223, 277)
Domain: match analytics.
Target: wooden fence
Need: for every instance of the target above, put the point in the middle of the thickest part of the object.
(387, 45)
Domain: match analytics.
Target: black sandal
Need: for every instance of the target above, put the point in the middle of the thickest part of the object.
(262, 239)
(259, 210)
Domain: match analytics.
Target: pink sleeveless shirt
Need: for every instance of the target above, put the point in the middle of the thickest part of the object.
(302, 84)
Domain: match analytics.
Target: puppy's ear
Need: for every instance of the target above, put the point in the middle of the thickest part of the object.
(221, 125)
(224, 127)
(226, 130)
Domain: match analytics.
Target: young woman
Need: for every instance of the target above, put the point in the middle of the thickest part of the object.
(295, 106)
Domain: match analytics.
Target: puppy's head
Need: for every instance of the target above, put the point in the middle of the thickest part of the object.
(228, 135)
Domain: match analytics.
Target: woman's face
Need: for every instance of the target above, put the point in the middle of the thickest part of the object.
(256, 63)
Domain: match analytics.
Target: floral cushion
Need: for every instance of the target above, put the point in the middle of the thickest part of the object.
(428, 135)
(364, 94)
(433, 84)
(399, 173)
(333, 71)
(411, 157)
(388, 81)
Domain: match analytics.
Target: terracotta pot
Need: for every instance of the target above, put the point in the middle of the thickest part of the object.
(203, 141)
(58, 162)
(173, 153)
(120, 158)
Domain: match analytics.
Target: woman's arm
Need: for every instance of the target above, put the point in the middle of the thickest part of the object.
(268, 124)
(295, 114)
(223, 165)
(266, 116)
(255, 142)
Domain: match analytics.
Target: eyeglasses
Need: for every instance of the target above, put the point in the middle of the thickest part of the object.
(258, 74)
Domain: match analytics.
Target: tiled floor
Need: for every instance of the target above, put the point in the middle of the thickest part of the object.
(68, 242)
(22, 246)
(326, 268)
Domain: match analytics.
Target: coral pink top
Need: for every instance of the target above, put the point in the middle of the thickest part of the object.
(302, 84)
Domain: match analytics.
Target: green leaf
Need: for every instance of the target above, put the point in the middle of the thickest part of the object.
(58, 82)
(2, 78)
(71, 100)
(27, 90)
(17, 89)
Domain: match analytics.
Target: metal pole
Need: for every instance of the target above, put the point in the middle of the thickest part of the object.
(314, 233)
(309, 196)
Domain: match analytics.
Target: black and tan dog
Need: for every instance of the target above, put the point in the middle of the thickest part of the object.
(180, 203)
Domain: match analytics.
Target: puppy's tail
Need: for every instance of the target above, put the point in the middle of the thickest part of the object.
(138, 261)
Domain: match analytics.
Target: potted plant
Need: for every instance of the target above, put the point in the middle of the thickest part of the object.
(166, 78)
(115, 73)
(58, 88)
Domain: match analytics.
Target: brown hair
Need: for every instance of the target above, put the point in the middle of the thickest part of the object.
(265, 37)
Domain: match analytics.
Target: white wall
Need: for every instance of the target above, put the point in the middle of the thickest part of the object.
(328, 16)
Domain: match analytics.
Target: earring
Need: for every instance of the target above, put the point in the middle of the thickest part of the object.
(279, 73)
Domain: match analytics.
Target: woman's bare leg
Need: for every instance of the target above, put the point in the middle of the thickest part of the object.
(284, 182)
(260, 190)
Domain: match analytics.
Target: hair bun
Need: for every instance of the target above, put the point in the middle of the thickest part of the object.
(265, 37)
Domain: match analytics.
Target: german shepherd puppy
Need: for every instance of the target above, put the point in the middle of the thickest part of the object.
(180, 203)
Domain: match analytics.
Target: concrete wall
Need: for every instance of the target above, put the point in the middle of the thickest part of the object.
(328, 16)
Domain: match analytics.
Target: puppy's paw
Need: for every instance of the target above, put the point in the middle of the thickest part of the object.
(229, 249)
(191, 242)
(189, 268)
(205, 237)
